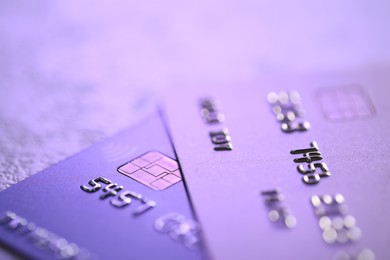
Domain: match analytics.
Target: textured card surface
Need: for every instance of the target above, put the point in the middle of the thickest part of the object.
(120, 199)
(288, 169)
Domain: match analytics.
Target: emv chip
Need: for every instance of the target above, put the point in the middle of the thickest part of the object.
(346, 103)
(153, 169)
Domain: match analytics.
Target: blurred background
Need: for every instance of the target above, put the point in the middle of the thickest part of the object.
(74, 72)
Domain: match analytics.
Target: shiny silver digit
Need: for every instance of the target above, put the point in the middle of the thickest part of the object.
(272, 196)
(220, 139)
(289, 127)
(223, 147)
(94, 183)
(124, 199)
(309, 157)
(179, 228)
(313, 148)
(314, 178)
(224, 131)
(17, 222)
(110, 190)
(210, 112)
(311, 168)
(214, 117)
(147, 205)
(311, 177)
(7, 216)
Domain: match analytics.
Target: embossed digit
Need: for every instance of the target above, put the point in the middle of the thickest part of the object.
(313, 148)
(309, 157)
(94, 183)
(146, 205)
(124, 198)
(311, 168)
(289, 127)
(311, 177)
(110, 190)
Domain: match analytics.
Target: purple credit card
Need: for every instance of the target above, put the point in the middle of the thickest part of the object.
(122, 198)
(288, 168)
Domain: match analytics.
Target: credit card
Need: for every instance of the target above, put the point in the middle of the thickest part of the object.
(123, 198)
(294, 168)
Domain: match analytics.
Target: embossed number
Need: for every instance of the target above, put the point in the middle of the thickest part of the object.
(94, 183)
(311, 177)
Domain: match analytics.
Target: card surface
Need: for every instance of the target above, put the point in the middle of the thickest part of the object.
(288, 169)
(123, 198)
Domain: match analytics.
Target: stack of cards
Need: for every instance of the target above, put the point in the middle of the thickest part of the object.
(123, 198)
(275, 169)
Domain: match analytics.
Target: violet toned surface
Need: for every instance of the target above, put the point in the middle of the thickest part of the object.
(225, 186)
(53, 200)
(74, 72)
